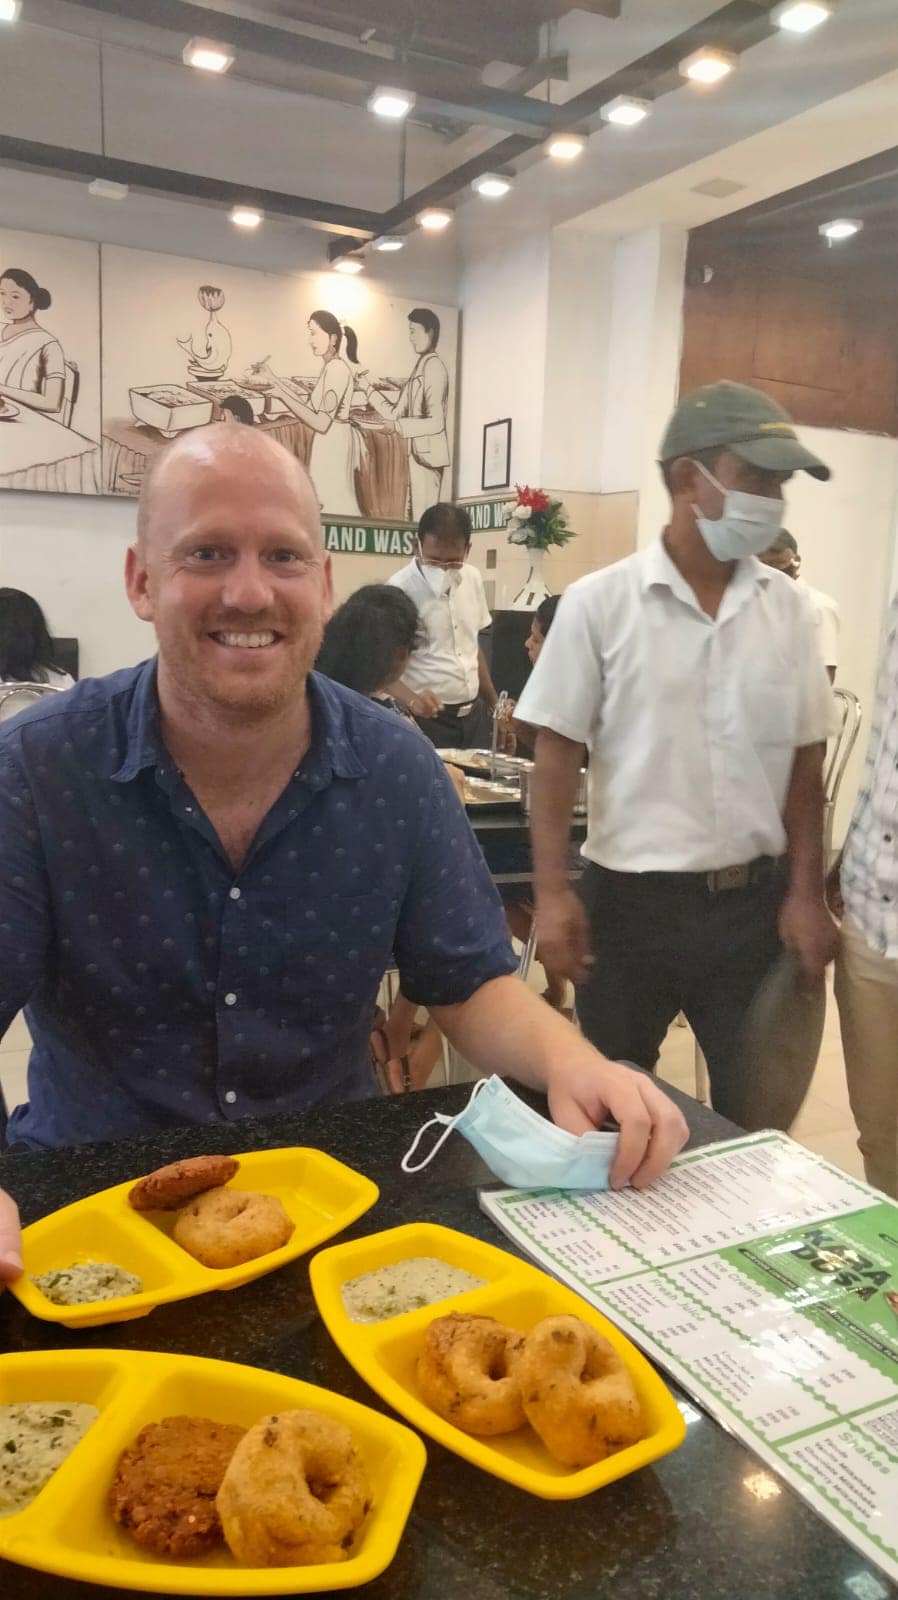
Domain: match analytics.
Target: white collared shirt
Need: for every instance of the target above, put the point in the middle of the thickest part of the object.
(828, 621)
(691, 722)
(444, 659)
(870, 862)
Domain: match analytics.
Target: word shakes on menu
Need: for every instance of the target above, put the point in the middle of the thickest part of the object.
(766, 1283)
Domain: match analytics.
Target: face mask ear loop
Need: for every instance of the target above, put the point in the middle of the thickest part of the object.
(450, 1122)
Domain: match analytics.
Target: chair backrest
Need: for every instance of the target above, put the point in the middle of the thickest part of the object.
(15, 697)
(70, 392)
(838, 755)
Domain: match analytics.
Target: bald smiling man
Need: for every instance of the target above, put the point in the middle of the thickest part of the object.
(208, 861)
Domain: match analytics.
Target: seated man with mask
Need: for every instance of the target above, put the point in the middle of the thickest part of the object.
(207, 860)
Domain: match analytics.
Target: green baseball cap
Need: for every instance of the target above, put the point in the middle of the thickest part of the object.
(731, 416)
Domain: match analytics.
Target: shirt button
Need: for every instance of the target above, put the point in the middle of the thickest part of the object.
(887, 837)
(230, 999)
(230, 1097)
(234, 893)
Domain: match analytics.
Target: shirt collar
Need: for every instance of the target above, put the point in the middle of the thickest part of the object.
(330, 754)
(657, 571)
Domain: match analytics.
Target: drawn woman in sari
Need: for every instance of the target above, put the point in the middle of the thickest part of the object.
(326, 411)
(32, 365)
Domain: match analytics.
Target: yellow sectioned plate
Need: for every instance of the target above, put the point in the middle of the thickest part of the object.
(385, 1353)
(68, 1529)
(320, 1194)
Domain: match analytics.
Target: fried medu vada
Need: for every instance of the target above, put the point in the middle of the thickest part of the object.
(467, 1372)
(295, 1493)
(168, 1187)
(226, 1227)
(577, 1393)
(165, 1484)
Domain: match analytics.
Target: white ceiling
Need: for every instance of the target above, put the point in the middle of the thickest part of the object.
(249, 131)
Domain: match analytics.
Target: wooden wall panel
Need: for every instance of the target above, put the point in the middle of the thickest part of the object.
(823, 341)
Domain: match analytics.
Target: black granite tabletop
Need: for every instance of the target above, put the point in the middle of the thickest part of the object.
(687, 1527)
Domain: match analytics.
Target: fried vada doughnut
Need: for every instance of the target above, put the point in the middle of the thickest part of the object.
(467, 1373)
(295, 1492)
(225, 1227)
(577, 1393)
(168, 1187)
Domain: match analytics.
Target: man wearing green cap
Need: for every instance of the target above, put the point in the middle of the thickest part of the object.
(691, 672)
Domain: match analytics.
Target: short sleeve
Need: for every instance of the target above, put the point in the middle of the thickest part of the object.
(564, 691)
(828, 634)
(52, 360)
(816, 720)
(451, 936)
(485, 619)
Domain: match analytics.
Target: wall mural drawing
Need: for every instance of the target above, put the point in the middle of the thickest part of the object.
(49, 364)
(378, 448)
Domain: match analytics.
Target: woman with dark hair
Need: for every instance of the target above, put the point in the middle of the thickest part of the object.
(26, 651)
(32, 365)
(368, 641)
(420, 412)
(326, 411)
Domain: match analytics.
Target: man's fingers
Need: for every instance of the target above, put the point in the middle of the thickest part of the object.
(10, 1239)
(652, 1132)
(669, 1135)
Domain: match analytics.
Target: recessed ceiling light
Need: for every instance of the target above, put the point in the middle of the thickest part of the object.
(207, 55)
(491, 186)
(348, 265)
(9, 10)
(800, 16)
(707, 65)
(839, 228)
(388, 241)
(718, 188)
(391, 103)
(246, 217)
(625, 110)
(434, 219)
(565, 146)
(105, 189)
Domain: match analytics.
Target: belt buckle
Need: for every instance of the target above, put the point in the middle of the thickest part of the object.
(729, 878)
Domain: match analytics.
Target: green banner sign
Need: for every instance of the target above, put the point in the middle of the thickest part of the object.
(368, 539)
(488, 514)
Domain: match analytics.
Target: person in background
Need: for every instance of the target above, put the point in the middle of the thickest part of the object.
(447, 685)
(867, 961)
(784, 556)
(691, 672)
(366, 646)
(541, 622)
(32, 364)
(326, 411)
(420, 412)
(26, 649)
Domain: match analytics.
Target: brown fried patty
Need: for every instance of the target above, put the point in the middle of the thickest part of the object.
(168, 1187)
(165, 1484)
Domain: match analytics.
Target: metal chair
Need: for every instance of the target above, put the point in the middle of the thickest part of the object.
(16, 697)
(837, 758)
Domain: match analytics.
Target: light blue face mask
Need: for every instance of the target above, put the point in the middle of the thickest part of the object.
(522, 1148)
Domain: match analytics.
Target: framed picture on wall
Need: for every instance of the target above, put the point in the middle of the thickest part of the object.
(496, 454)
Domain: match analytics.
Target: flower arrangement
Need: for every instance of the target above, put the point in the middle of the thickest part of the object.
(535, 520)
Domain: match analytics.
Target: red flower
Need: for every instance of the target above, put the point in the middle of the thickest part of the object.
(536, 499)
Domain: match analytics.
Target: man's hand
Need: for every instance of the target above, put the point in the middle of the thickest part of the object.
(587, 1089)
(833, 891)
(425, 704)
(563, 931)
(506, 740)
(10, 1239)
(807, 929)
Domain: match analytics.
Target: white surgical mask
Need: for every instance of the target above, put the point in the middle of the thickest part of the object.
(440, 581)
(748, 524)
(518, 1145)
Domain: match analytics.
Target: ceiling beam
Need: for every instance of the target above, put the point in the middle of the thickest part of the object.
(171, 183)
(441, 90)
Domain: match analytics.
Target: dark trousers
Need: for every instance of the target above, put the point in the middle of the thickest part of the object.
(449, 731)
(665, 943)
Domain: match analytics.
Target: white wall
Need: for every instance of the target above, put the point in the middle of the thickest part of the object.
(504, 301)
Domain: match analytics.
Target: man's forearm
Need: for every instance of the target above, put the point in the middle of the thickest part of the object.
(555, 778)
(486, 687)
(803, 822)
(507, 1029)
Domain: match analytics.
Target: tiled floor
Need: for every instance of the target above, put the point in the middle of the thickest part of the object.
(824, 1123)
